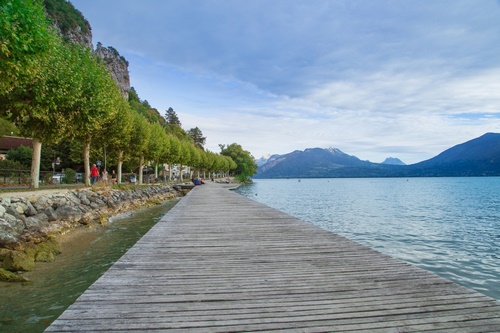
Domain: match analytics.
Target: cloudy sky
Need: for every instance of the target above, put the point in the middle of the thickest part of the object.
(373, 78)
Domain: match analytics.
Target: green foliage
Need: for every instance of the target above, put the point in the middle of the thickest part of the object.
(140, 135)
(62, 96)
(144, 109)
(22, 154)
(245, 163)
(116, 133)
(174, 150)
(44, 105)
(158, 144)
(133, 96)
(61, 150)
(172, 118)
(197, 136)
(25, 41)
(8, 128)
(69, 176)
(100, 96)
(13, 165)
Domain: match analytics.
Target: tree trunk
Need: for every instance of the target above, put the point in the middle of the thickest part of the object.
(35, 164)
(141, 166)
(86, 160)
(119, 171)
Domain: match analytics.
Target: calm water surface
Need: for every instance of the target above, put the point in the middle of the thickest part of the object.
(450, 226)
(87, 254)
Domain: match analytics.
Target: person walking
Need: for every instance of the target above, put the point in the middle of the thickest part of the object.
(104, 177)
(94, 174)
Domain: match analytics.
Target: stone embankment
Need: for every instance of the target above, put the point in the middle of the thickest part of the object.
(28, 224)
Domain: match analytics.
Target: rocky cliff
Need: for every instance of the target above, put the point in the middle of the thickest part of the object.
(69, 22)
(73, 26)
(117, 65)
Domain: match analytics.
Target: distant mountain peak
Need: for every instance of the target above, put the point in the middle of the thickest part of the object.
(335, 151)
(393, 161)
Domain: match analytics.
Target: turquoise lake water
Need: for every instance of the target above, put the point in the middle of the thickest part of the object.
(87, 254)
(450, 226)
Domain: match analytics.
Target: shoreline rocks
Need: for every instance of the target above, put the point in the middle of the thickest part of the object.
(27, 225)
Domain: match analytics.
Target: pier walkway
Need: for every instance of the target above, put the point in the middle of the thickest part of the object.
(219, 262)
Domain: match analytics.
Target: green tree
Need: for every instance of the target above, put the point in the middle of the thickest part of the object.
(99, 100)
(195, 159)
(115, 136)
(172, 155)
(22, 155)
(197, 136)
(245, 163)
(172, 118)
(184, 157)
(42, 107)
(25, 41)
(119, 135)
(141, 133)
(158, 146)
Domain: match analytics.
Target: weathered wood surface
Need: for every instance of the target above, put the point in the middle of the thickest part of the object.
(219, 262)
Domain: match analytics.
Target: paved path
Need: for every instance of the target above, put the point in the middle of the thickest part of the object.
(219, 262)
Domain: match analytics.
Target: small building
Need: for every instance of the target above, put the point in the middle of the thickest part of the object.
(12, 142)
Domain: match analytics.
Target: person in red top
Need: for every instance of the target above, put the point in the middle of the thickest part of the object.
(94, 174)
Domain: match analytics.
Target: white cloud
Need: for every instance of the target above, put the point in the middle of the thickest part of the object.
(406, 79)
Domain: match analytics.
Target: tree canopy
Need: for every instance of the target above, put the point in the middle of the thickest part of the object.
(58, 92)
(245, 163)
(25, 40)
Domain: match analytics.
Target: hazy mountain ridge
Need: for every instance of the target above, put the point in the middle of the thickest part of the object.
(393, 161)
(477, 157)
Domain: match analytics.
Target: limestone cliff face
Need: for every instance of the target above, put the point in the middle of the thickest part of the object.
(73, 27)
(117, 65)
(77, 35)
(69, 21)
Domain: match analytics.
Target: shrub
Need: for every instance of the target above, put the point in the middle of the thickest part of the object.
(69, 176)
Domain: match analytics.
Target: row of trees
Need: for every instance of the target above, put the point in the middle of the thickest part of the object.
(53, 90)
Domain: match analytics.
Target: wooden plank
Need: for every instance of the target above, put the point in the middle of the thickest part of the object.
(219, 262)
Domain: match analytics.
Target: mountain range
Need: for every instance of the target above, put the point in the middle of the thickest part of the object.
(477, 157)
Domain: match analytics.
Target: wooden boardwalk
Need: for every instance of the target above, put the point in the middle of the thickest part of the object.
(219, 262)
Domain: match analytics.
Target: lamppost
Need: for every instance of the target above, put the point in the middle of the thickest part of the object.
(57, 161)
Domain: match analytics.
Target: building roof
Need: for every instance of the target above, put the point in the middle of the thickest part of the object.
(13, 142)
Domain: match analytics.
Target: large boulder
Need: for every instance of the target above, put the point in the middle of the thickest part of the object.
(36, 222)
(42, 203)
(11, 277)
(69, 213)
(10, 230)
(18, 261)
(51, 214)
(3, 253)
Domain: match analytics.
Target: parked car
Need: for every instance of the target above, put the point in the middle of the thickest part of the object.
(57, 178)
(79, 177)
